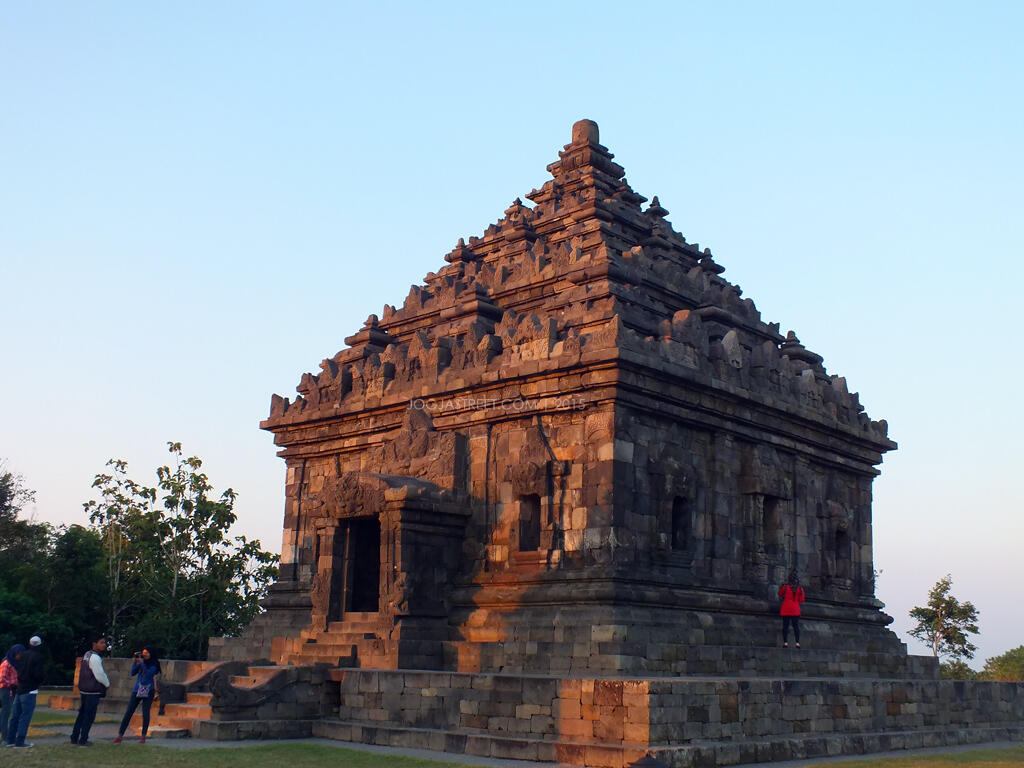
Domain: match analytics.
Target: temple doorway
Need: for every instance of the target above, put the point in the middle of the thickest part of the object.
(356, 587)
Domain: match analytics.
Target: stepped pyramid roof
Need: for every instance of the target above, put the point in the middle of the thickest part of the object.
(586, 276)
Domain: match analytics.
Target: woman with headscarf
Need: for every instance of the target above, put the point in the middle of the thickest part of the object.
(8, 685)
(147, 667)
(792, 595)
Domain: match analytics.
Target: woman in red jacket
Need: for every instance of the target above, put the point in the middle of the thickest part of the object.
(792, 595)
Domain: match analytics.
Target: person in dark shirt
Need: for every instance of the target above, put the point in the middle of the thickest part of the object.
(147, 667)
(30, 677)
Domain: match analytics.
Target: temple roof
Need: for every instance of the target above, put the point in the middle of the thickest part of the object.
(584, 271)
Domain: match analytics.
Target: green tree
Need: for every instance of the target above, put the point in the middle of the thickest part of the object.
(1007, 668)
(51, 582)
(124, 519)
(74, 588)
(23, 545)
(945, 623)
(14, 496)
(176, 575)
(21, 541)
(957, 670)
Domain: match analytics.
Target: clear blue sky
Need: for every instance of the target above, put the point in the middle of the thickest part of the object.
(201, 200)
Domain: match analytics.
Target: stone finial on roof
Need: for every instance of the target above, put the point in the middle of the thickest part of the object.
(460, 253)
(582, 153)
(708, 264)
(585, 132)
(655, 208)
(516, 210)
(793, 349)
(371, 335)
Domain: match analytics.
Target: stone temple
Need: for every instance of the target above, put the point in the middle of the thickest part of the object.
(576, 449)
(541, 509)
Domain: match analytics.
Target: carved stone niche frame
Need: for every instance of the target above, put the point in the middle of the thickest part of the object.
(769, 516)
(348, 571)
(400, 563)
(678, 519)
(839, 546)
(537, 527)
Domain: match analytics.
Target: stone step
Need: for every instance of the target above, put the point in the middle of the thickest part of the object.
(324, 652)
(160, 731)
(264, 673)
(257, 676)
(197, 697)
(353, 617)
(350, 627)
(245, 681)
(302, 660)
(194, 711)
(164, 721)
(331, 646)
(191, 671)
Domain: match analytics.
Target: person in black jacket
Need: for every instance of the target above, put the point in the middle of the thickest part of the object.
(30, 677)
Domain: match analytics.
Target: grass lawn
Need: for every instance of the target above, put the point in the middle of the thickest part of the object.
(269, 756)
(317, 756)
(43, 722)
(67, 718)
(978, 758)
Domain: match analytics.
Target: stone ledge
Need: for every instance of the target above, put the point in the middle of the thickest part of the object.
(237, 730)
(693, 755)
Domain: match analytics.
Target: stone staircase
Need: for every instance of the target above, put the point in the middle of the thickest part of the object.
(176, 720)
(257, 701)
(163, 723)
(360, 640)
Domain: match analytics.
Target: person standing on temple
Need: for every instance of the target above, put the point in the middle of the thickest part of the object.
(30, 677)
(8, 686)
(147, 667)
(792, 595)
(92, 686)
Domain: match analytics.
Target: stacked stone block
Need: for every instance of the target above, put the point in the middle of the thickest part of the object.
(681, 721)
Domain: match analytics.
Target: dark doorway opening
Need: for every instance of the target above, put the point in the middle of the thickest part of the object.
(680, 524)
(529, 523)
(366, 566)
(844, 565)
(772, 525)
(356, 583)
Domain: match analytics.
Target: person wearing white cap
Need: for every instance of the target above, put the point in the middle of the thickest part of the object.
(35, 641)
